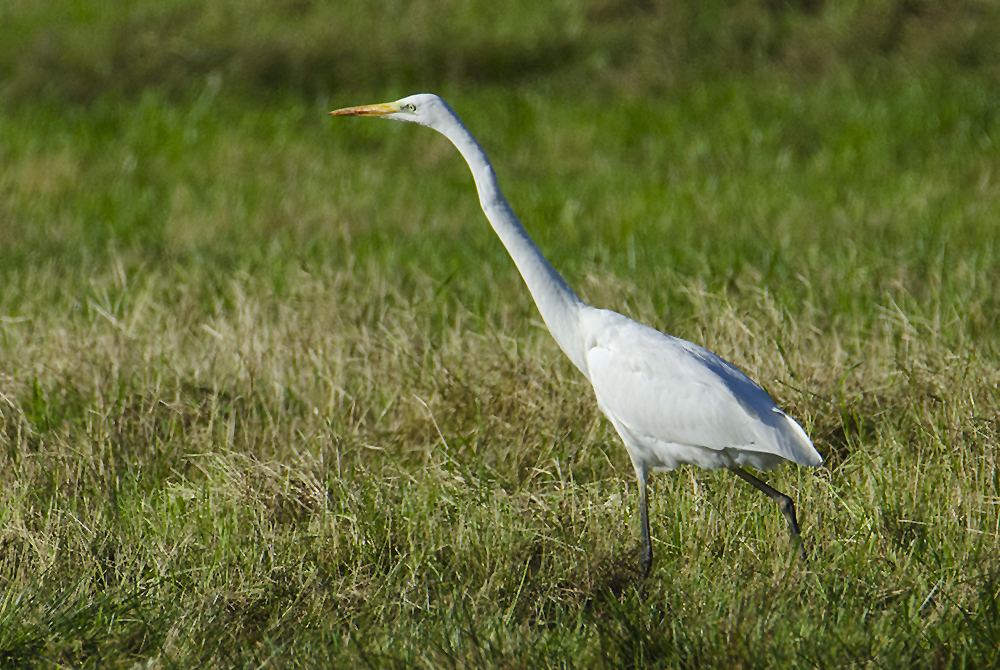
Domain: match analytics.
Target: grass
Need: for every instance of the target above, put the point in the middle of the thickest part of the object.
(271, 392)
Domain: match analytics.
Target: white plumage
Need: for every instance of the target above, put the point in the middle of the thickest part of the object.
(671, 401)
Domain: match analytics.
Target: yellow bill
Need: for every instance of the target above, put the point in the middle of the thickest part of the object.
(380, 109)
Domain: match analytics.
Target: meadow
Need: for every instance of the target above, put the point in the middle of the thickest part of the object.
(273, 394)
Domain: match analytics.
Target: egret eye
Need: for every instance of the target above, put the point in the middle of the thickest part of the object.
(410, 107)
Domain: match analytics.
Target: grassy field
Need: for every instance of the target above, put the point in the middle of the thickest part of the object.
(273, 394)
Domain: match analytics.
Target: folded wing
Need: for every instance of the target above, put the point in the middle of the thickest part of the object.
(670, 395)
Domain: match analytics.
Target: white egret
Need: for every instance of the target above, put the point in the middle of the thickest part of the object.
(671, 401)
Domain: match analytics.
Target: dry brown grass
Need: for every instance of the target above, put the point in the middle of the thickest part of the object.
(351, 456)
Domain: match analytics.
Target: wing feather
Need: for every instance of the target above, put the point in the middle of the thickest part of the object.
(669, 395)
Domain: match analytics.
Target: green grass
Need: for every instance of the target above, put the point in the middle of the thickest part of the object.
(271, 391)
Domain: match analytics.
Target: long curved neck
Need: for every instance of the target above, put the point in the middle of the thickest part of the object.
(559, 306)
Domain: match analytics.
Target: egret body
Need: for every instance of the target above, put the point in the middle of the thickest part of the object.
(671, 401)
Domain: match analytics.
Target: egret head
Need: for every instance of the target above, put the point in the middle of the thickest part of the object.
(424, 108)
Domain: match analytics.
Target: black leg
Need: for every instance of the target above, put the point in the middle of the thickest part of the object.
(784, 504)
(647, 545)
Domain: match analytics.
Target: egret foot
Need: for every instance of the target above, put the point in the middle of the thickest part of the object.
(785, 504)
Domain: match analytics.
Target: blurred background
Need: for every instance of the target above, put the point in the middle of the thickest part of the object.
(849, 145)
(74, 53)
